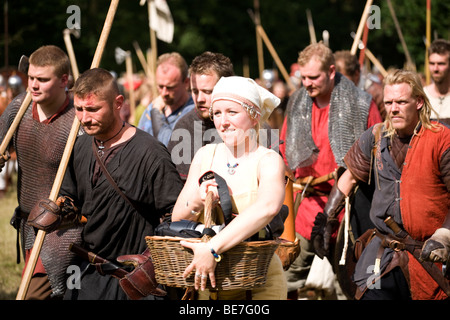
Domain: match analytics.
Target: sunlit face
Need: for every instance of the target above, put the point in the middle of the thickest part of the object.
(44, 84)
(202, 86)
(170, 84)
(316, 81)
(96, 115)
(402, 108)
(439, 67)
(232, 122)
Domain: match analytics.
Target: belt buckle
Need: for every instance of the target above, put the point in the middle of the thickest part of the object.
(395, 245)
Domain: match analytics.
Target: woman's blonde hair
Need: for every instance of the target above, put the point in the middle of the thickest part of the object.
(411, 78)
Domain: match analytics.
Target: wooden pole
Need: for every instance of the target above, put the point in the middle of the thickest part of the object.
(275, 57)
(427, 44)
(153, 41)
(245, 68)
(152, 73)
(129, 69)
(71, 53)
(362, 22)
(376, 62)
(312, 32)
(259, 44)
(362, 52)
(152, 54)
(409, 62)
(141, 57)
(9, 134)
(31, 264)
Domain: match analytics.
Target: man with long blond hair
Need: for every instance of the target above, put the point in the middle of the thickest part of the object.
(409, 156)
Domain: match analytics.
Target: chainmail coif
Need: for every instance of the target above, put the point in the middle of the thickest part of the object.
(349, 109)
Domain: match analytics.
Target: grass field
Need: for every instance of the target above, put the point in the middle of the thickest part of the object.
(10, 271)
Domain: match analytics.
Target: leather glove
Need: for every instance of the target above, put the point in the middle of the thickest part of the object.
(49, 216)
(140, 282)
(326, 223)
(437, 247)
(3, 159)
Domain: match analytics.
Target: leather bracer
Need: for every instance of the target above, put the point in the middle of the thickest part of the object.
(49, 216)
(140, 282)
(326, 223)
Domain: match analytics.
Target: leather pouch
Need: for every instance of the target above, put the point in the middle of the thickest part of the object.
(362, 242)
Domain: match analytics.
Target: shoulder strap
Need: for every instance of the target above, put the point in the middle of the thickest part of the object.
(110, 179)
(376, 131)
(224, 194)
(208, 157)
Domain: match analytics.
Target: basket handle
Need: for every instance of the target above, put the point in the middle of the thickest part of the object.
(208, 213)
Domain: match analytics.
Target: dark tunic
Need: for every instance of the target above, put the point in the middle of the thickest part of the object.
(143, 170)
(190, 134)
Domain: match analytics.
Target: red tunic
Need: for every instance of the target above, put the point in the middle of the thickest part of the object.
(325, 164)
(425, 202)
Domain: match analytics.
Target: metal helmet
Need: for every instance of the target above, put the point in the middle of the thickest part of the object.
(14, 82)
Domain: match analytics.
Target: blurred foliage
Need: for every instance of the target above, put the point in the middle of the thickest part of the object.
(223, 26)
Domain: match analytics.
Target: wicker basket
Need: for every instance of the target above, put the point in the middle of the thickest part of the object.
(242, 267)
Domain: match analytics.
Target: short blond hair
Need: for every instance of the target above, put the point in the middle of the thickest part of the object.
(319, 51)
(51, 55)
(175, 59)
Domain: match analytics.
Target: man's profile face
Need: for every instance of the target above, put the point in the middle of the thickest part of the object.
(202, 86)
(316, 81)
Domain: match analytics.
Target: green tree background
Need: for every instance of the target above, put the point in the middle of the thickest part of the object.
(222, 26)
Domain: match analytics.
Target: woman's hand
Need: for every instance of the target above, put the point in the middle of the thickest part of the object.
(203, 263)
(207, 186)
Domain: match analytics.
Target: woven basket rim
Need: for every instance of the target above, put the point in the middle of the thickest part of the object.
(170, 238)
(197, 240)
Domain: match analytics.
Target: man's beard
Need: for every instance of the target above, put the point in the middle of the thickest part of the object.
(440, 77)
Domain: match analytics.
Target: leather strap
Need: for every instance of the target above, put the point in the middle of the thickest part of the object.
(224, 193)
(414, 247)
(110, 179)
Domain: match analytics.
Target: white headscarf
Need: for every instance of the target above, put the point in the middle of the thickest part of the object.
(258, 101)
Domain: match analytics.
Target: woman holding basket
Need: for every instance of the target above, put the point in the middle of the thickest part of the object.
(255, 176)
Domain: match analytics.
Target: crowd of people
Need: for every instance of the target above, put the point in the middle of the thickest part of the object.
(382, 144)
